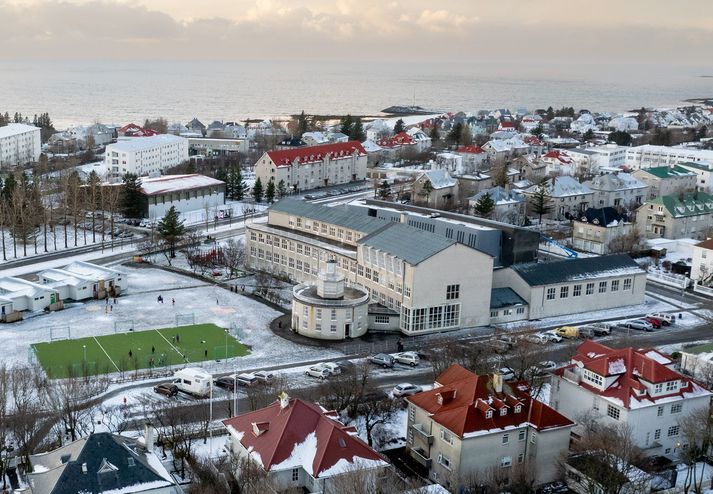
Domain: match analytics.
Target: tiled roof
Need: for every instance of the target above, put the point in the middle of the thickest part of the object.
(462, 400)
(626, 370)
(301, 434)
(585, 268)
(314, 154)
(470, 150)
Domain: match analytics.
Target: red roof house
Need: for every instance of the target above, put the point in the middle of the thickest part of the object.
(133, 130)
(470, 150)
(315, 154)
(294, 434)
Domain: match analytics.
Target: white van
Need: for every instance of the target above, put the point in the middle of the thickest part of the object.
(193, 381)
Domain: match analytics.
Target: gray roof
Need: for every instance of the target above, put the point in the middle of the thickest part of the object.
(440, 179)
(614, 182)
(505, 297)
(406, 242)
(336, 215)
(580, 269)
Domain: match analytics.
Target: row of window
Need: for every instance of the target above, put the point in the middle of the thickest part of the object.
(577, 289)
(323, 229)
(426, 318)
(507, 312)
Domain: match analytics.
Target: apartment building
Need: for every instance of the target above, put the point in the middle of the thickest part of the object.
(430, 280)
(704, 174)
(19, 144)
(470, 425)
(567, 197)
(311, 167)
(145, 155)
(688, 215)
(648, 156)
(666, 180)
(184, 192)
(636, 387)
(617, 190)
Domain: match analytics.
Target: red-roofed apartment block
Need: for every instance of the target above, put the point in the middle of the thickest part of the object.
(300, 445)
(635, 387)
(310, 167)
(470, 425)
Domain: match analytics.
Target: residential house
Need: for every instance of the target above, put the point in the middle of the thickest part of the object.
(509, 204)
(702, 264)
(215, 129)
(101, 463)
(314, 138)
(196, 126)
(704, 174)
(311, 167)
(377, 130)
(396, 145)
(498, 150)
(609, 156)
(560, 163)
(474, 159)
(636, 388)
(300, 445)
(567, 197)
(337, 137)
(597, 227)
(133, 130)
(620, 190)
(440, 193)
(665, 180)
(697, 362)
(420, 138)
(688, 215)
(19, 144)
(587, 284)
(291, 142)
(470, 425)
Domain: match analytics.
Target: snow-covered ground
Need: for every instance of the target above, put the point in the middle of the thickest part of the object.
(63, 261)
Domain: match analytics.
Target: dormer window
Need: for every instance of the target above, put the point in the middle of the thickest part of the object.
(503, 411)
(518, 408)
(489, 414)
(671, 386)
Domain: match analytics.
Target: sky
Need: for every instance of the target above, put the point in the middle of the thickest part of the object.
(674, 32)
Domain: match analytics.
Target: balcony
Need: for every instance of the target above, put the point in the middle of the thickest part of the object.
(419, 455)
(421, 433)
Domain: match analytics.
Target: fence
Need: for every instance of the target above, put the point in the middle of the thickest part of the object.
(670, 279)
(703, 290)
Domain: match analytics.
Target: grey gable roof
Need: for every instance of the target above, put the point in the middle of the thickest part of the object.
(337, 215)
(99, 449)
(406, 242)
(581, 269)
(505, 297)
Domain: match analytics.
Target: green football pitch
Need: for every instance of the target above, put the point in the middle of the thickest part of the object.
(135, 350)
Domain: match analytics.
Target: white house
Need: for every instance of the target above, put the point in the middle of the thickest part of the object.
(567, 197)
(702, 264)
(618, 190)
(184, 192)
(704, 174)
(610, 155)
(639, 388)
(509, 204)
(473, 159)
(145, 155)
(82, 280)
(647, 156)
(19, 144)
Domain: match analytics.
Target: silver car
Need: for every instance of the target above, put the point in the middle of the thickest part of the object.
(406, 389)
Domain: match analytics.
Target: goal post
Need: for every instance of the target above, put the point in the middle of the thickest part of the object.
(60, 333)
(185, 319)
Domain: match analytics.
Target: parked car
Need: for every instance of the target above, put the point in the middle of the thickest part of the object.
(667, 319)
(225, 382)
(318, 371)
(585, 332)
(407, 358)
(333, 368)
(656, 323)
(542, 368)
(166, 389)
(598, 328)
(568, 332)
(551, 336)
(639, 324)
(406, 389)
(535, 338)
(247, 380)
(383, 359)
(193, 381)
(264, 376)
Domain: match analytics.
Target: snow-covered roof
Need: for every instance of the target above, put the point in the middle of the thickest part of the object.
(17, 287)
(134, 144)
(14, 129)
(176, 183)
(562, 187)
(615, 182)
(440, 179)
(370, 146)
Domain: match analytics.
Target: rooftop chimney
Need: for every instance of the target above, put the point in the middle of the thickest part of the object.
(404, 218)
(498, 382)
(284, 400)
(149, 437)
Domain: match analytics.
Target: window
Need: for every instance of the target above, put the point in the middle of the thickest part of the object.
(333, 328)
(533, 438)
(305, 311)
(489, 414)
(659, 412)
(676, 407)
(521, 457)
(295, 474)
(521, 435)
(493, 313)
(671, 386)
(505, 461)
(627, 284)
(564, 292)
(602, 287)
(407, 292)
(551, 293)
(613, 412)
(577, 290)
(446, 436)
(506, 438)
(375, 276)
(673, 430)
(593, 377)
(615, 285)
(318, 326)
(411, 413)
(520, 310)
(381, 319)
(590, 288)
(445, 461)
(452, 292)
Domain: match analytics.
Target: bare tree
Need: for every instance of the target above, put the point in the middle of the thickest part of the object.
(697, 435)
(345, 391)
(25, 391)
(375, 409)
(233, 256)
(361, 478)
(263, 394)
(4, 216)
(92, 194)
(4, 419)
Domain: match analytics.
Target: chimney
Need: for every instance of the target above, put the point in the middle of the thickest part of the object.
(149, 437)
(498, 382)
(403, 218)
(284, 400)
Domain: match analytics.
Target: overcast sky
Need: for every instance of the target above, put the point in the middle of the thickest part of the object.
(667, 31)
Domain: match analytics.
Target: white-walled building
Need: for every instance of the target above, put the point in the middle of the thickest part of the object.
(639, 388)
(609, 156)
(618, 190)
(667, 180)
(185, 192)
(647, 156)
(597, 227)
(567, 197)
(82, 280)
(472, 425)
(702, 264)
(17, 295)
(704, 174)
(310, 167)
(19, 144)
(145, 155)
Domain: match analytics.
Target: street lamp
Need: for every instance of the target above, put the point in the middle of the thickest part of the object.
(85, 352)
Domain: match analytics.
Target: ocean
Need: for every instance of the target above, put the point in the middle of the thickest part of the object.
(82, 92)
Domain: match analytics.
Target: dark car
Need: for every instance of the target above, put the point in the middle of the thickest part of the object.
(166, 389)
(225, 382)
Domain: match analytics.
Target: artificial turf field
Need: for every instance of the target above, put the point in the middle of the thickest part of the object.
(110, 353)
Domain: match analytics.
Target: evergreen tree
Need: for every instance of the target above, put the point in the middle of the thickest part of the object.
(426, 189)
(399, 126)
(620, 137)
(455, 134)
(235, 185)
(281, 189)
(270, 191)
(257, 190)
(588, 135)
(485, 206)
(357, 131)
(499, 175)
(435, 135)
(222, 175)
(701, 134)
(550, 113)
(347, 125)
(466, 138)
(302, 124)
(385, 190)
(171, 230)
(537, 131)
(541, 202)
(10, 184)
(131, 197)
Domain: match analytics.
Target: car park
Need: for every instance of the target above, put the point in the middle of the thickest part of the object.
(166, 389)
(383, 359)
(598, 328)
(585, 332)
(406, 389)
(639, 325)
(264, 376)
(318, 371)
(407, 358)
(535, 338)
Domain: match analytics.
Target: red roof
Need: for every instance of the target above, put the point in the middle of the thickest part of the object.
(532, 140)
(627, 371)
(555, 154)
(314, 154)
(507, 125)
(133, 130)
(462, 401)
(277, 435)
(470, 149)
(400, 139)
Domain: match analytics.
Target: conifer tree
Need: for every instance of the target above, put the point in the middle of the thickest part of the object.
(270, 191)
(171, 230)
(257, 190)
